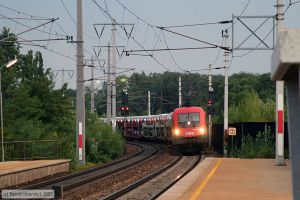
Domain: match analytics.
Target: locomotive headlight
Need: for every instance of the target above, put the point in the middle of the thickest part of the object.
(176, 132)
(202, 130)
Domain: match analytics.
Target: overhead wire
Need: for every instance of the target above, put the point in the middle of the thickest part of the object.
(195, 39)
(84, 49)
(204, 69)
(66, 9)
(289, 5)
(34, 40)
(111, 18)
(49, 35)
(295, 2)
(239, 56)
(171, 52)
(33, 18)
(218, 54)
(199, 24)
(153, 28)
(158, 36)
(244, 9)
(32, 28)
(59, 26)
(233, 22)
(73, 20)
(46, 48)
(19, 12)
(162, 28)
(42, 31)
(25, 18)
(170, 49)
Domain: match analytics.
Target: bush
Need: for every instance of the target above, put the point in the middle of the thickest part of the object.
(102, 143)
(262, 146)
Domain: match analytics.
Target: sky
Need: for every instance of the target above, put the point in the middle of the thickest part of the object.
(146, 17)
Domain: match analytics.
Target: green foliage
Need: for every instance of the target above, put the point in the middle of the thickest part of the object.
(262, 146)
(252, 109)
(32, 108)
(164, 93)
(8, 49)
(102, 143)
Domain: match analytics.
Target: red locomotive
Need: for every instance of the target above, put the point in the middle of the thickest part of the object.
(189, 129)
(184, 128)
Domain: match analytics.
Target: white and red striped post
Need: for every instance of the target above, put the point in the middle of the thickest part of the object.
(80, 143)
(279, 99)
(279, 129)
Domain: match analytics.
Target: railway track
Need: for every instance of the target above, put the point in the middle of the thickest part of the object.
(158, 182)
(69, 182)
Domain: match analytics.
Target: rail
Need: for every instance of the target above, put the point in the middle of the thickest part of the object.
(140, 182)
(74, 180)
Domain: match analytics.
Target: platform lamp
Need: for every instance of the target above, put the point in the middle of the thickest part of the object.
(7, 65)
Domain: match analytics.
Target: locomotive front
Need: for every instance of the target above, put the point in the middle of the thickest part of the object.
(189, 130)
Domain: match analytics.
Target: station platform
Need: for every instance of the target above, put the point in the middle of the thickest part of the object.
(17, 172)
(234, 179)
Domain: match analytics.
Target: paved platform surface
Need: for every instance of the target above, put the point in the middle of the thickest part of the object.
(14, 166)
(14, 173)
(234, 179)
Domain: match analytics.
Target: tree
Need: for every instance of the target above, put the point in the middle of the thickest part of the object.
(252, 109)
(32, 108)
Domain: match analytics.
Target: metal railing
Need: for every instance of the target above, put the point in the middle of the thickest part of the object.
(31, 150)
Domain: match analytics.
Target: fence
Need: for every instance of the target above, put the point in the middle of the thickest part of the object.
(245, 128)
(31, 150)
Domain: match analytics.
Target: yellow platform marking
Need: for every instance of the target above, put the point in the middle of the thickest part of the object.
(203, 184)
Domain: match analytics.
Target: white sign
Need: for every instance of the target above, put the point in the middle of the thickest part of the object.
(231, 131)
(27, 194)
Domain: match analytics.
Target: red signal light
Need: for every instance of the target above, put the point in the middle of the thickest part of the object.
(209, 102)
(127, 108)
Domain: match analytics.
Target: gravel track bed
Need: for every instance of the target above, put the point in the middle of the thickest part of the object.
(117, 181)
(155, 185)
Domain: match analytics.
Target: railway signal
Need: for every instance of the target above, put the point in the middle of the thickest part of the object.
(210, 103)
(211, 99)
(124, 111)
(124, 98)
(124, 104)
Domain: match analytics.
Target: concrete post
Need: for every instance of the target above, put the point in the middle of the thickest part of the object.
(92, 87)
(108, 88)
(80, 98)
(279, 99)
(149, 103)
(210, 89)
(113, 67)
(179, 92)
(225, 35)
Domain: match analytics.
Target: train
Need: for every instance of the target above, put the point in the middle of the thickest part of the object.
(184, 129)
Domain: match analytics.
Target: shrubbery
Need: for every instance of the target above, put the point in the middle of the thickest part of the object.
(262, 146)
(102, 143)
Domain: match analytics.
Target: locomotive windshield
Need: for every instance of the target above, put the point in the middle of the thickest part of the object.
(188, 119)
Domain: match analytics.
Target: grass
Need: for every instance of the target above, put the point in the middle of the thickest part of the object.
(78, 168)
